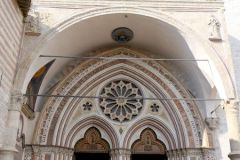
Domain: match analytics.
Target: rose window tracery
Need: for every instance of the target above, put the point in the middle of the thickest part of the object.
(121, 100)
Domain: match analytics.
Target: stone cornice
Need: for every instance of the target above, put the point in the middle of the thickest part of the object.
(24, 5)
(168, 5)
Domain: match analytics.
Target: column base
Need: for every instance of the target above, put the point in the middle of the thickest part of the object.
(235, 155)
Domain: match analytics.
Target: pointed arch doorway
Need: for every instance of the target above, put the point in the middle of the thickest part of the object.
(91, 147)
(148, 147)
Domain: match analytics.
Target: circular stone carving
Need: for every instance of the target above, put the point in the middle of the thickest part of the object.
(121, 100)
(122, 34)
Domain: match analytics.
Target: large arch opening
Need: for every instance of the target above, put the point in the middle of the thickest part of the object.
(155, 42)
(91, 147)
(148, 147)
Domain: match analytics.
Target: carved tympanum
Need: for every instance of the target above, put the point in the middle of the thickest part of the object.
(121, 100)
(148, 143)
(92, 142)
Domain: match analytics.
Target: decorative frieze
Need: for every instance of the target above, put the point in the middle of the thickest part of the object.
(192, 153)
(38, 152)
(28, 153)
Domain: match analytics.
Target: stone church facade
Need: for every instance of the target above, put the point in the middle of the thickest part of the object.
(119, 80)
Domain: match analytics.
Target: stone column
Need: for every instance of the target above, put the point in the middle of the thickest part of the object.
(232, 116)
(120, 154)
(8, 150)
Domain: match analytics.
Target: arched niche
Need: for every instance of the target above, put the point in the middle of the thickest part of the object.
(148, 146)
(92, 142)
(92, 146)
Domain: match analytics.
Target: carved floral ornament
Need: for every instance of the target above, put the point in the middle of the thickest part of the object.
(121, 100)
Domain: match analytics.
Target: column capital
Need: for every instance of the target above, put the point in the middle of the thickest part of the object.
(120, 154)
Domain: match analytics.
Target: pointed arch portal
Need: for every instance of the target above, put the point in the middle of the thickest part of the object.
(148, 147)
(179, 124)
(91, 147)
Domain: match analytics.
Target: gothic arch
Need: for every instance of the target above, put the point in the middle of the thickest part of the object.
(54, 119)
(172, 142)
(148, 143)
(97, 122)
(92, 142)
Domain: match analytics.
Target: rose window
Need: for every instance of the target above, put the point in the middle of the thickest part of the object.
(121, 100)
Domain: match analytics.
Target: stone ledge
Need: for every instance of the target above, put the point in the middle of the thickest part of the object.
(171, 5)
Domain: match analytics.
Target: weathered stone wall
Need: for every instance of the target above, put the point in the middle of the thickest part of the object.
(11, 25)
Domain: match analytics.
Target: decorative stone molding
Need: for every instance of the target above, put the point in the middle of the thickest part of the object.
(38, 152)
(208, 154)
(55, 106)
(32, 26)
(1, 76)
(214, 29)
(28, 153)
(192, 153)
(173, 5)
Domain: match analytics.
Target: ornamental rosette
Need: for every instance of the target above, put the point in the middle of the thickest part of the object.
(121, 100)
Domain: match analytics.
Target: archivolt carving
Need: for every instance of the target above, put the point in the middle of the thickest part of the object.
(92, 142)
(54, 107)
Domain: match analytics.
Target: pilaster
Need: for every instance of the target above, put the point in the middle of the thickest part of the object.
(232, 115)
(8, 149)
